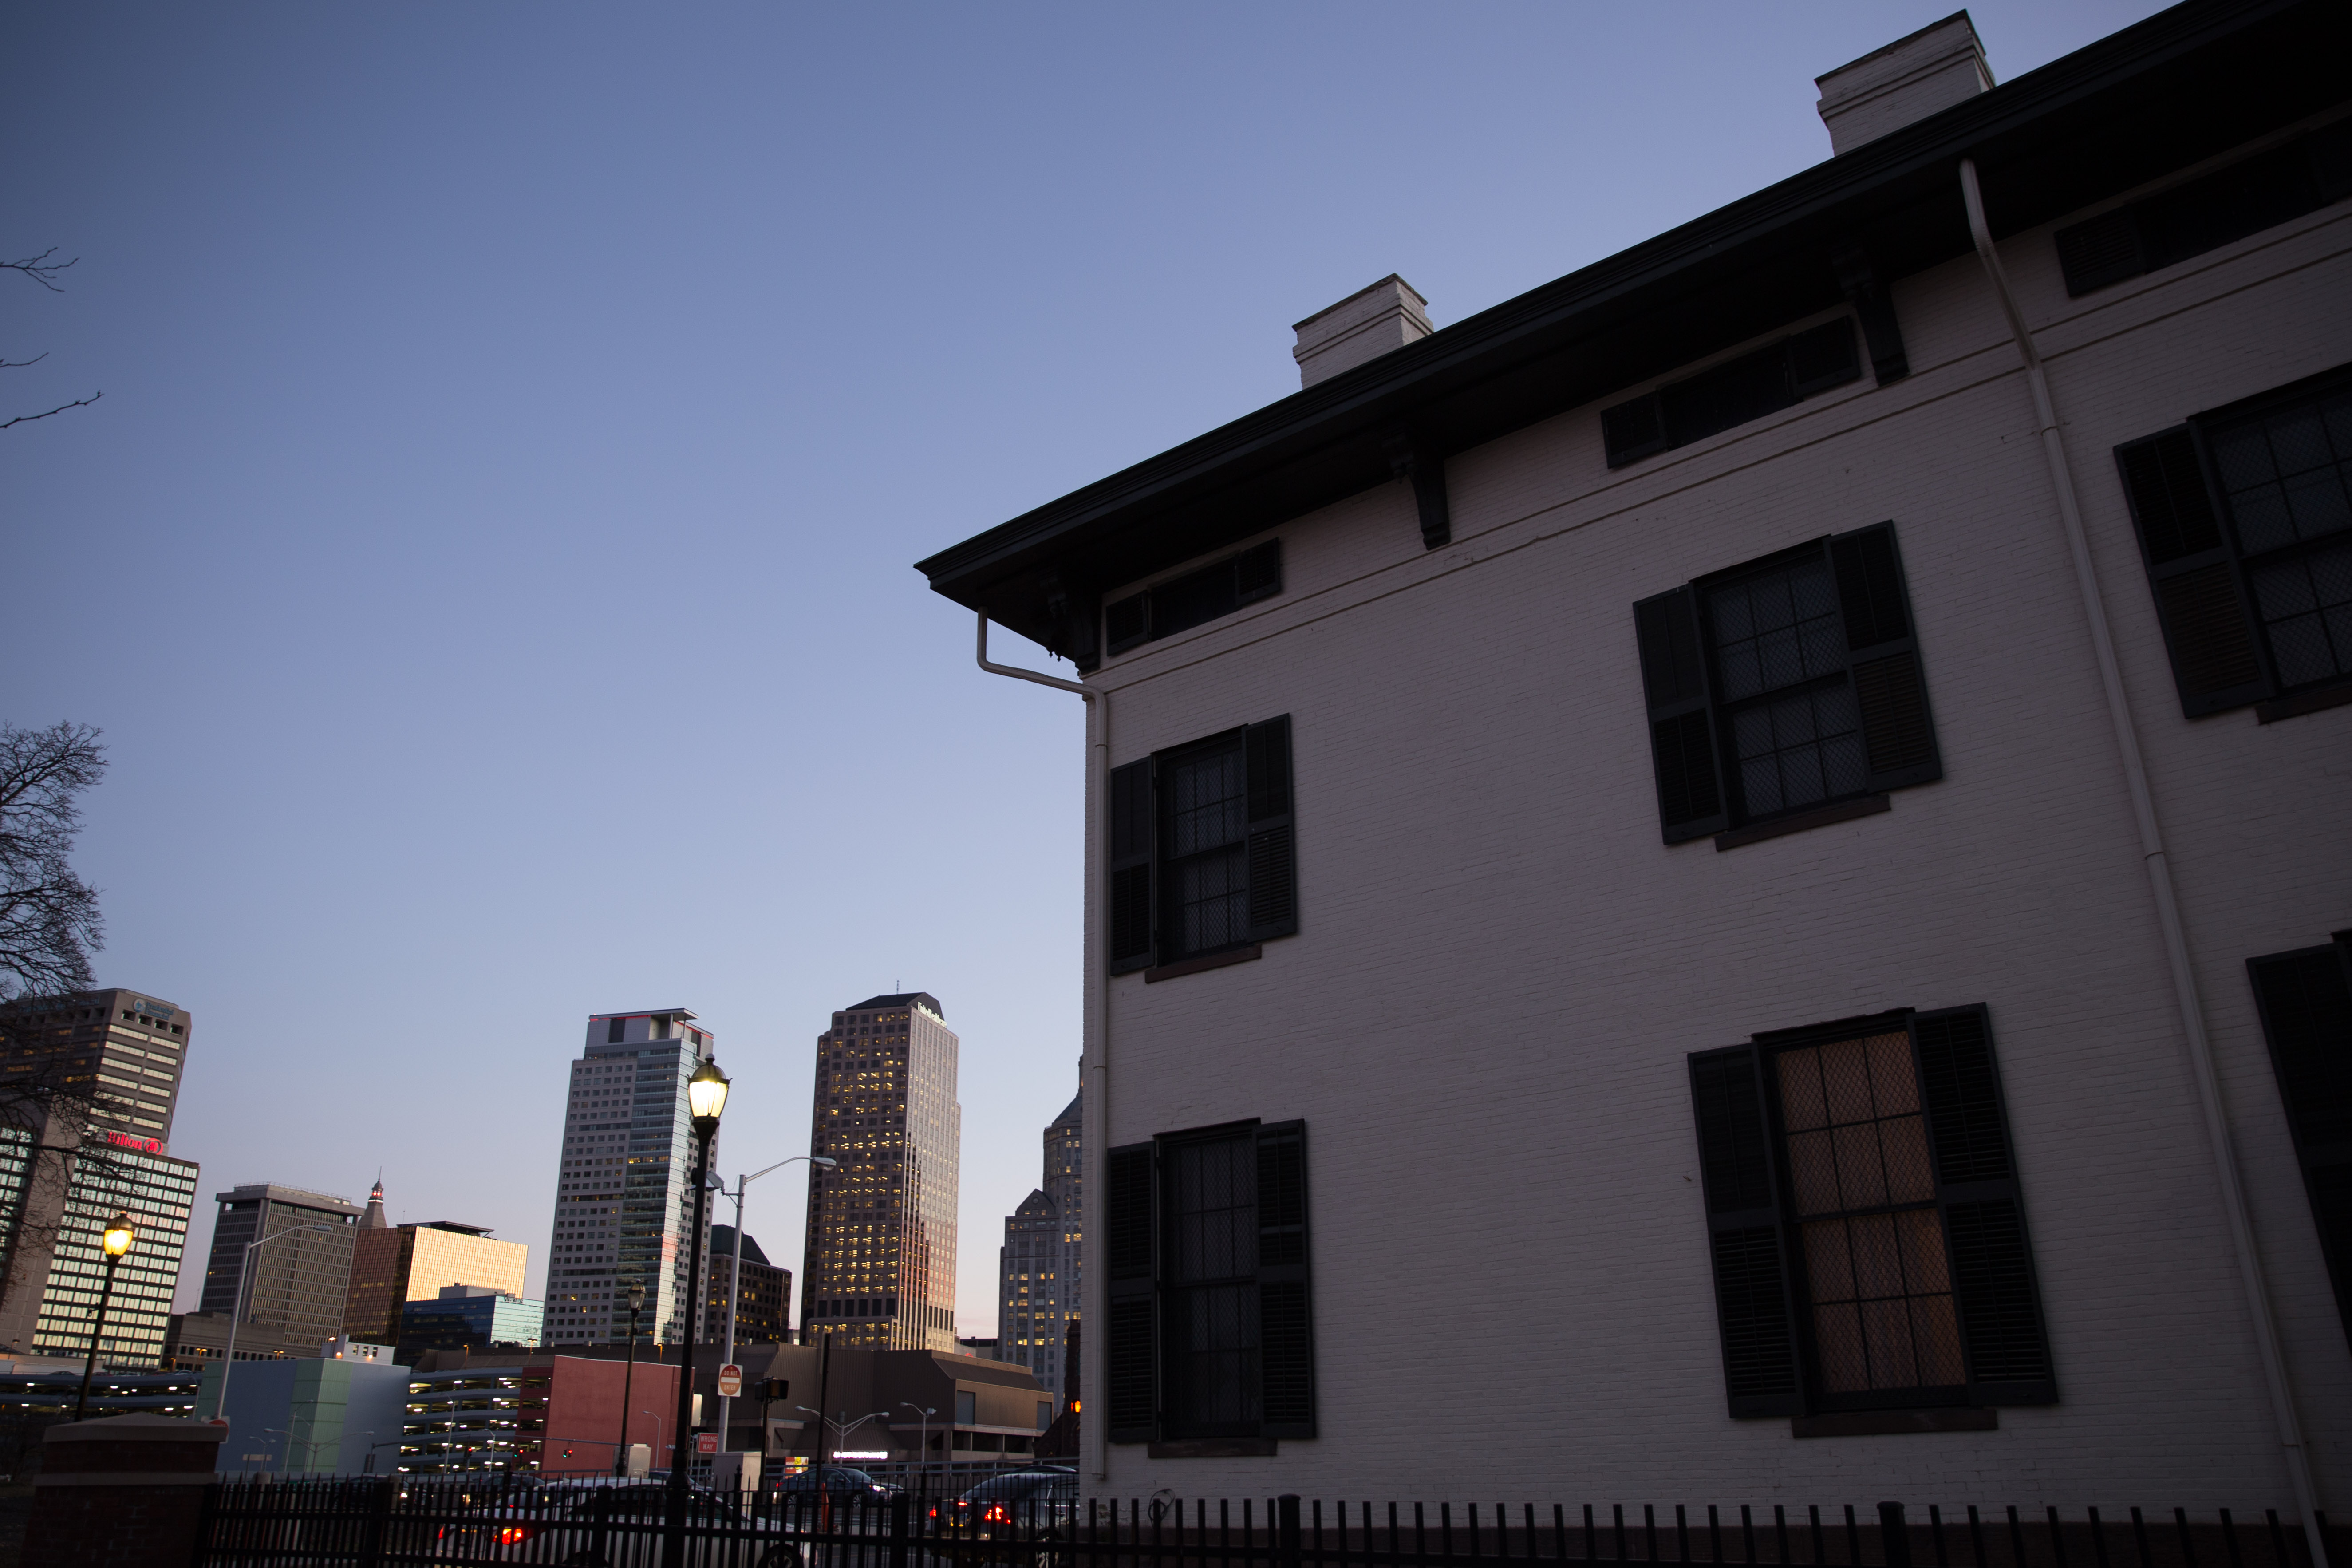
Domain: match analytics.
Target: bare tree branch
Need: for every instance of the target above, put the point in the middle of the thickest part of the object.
(49, 920)
(60, 408)
(40, 269)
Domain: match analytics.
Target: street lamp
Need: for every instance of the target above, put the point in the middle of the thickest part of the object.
(706, 1097)
(629, 1380)
(924, 1453)
(245, 1273)
(735, 1281)
(116, 1242)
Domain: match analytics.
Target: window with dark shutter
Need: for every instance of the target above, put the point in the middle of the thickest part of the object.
(1212, 1321)
(1202, 849)
(1193, 599)
(2244, 518)
(2306, 999)
(1790, 683)
(1868, 1237)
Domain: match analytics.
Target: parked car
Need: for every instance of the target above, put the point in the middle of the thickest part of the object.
(1026, 1513)
(611, 1523)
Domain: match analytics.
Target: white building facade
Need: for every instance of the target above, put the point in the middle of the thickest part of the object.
(624, 1192)
(1632, 814)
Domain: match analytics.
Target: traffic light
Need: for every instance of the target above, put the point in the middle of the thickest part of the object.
(775, 1389)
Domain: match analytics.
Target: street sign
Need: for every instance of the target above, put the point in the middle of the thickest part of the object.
(731, 1382)
(706, 1442)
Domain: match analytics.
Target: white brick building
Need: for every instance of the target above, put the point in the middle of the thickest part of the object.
(1460, 954)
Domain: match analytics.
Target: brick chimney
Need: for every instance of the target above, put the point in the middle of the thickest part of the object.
(1363, 326)
(1939, 66)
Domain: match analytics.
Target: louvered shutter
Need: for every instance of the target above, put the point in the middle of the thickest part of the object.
(1273, 869)
(2307, 1008)
(1744, 1234)
(1897, 736)
(1129, 863)
(1131, 1348)
(1682, 719)
(1984, 1216)
(2216, 657)
(1285, 1315)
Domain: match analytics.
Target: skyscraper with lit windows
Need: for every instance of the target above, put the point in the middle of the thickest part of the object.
(880, 1266)
(1038, 1267)
(625, 1191)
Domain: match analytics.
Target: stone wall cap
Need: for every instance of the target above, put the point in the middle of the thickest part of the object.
(138, 1429)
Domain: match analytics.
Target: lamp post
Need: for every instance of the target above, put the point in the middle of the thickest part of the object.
(115, 1243)
(924, 1452)
(628, 1380)
(706, 1097)
(244, 1274)
(735, 1284)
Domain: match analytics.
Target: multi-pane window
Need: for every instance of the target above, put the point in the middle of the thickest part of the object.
(1788, 684)
(1209, 1331)
(2245, 523)
(1195, 598)
(1865, 1223)
(1201, 857)
(1863, 1196)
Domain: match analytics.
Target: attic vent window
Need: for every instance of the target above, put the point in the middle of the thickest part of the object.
(1194, 599)
(1733, 393)
(2247, 197)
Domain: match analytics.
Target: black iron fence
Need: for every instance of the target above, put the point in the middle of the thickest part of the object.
(368, 1523)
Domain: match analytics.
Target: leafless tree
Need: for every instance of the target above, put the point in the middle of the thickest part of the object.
(49, 924)
(44, 272)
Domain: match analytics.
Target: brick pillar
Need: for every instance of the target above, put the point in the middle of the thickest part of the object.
(123, 1492)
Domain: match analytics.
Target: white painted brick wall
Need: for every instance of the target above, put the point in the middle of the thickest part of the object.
(1501, 970)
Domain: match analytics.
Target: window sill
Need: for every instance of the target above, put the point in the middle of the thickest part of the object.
(1819, 817)
(1216, 1448)
(2301, 702)
(1894, 1423)
(1184, 966)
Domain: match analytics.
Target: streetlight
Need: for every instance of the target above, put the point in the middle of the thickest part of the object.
(629, 1380)
(924, 1453)
(116, 1242)
(706, 1097)
(735, 1280)
(244, 1271)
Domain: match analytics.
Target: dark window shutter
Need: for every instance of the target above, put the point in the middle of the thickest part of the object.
(1129, 861)
(1632, 431)
(2306, 1006)
(1984, 1215)
(1897, 736)
(1285, 1316)
(2207, 626)
(1257, 572)
(1131, 1359)
(1126, 622)
(1682, 720)
(1273, 869)
(2099, 251)
(1744, 1234)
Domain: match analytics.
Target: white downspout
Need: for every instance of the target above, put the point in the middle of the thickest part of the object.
(1097, 1057)
(2160, 878)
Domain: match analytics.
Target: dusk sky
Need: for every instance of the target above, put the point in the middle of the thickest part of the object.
(490, 559)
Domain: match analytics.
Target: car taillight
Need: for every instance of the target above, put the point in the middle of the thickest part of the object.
(516, 1534)
(996, 1515)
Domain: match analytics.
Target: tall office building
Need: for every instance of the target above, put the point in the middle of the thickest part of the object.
(394, 1265)
(1037, 1269)
(297, 1284)
(881, 1269)
(763, 1296)
(68, 1166)
(625, 1191)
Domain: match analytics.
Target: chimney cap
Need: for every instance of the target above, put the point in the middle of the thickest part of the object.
(1367, 323)
(1367, 289)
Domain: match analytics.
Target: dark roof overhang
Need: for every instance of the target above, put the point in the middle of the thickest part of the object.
(2184, 85)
